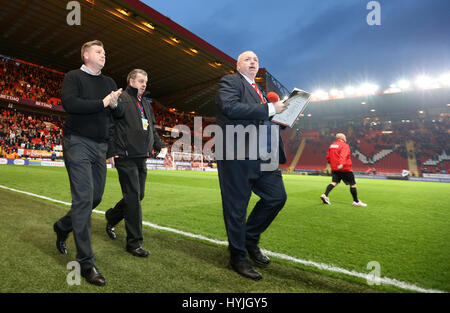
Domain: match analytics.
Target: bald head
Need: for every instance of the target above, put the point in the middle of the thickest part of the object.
(248, 64)
(341, 136)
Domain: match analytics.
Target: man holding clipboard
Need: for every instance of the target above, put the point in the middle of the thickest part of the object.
(241, 105)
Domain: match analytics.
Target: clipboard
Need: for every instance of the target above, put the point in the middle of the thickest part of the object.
(297, 102)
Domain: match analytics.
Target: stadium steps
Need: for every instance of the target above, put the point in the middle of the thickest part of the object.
(412, 161)
(297, 155)
(350, 131)
(378, 156)
(441, 157)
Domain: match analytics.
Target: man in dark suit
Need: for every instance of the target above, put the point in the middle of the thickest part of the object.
(241, 105)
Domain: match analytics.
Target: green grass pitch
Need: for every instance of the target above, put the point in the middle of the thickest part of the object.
(405, 228)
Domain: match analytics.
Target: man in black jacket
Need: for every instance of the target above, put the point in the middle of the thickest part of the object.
(133, 138)
(90, 99)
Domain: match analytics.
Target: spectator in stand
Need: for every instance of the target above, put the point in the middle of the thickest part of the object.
(338, 157)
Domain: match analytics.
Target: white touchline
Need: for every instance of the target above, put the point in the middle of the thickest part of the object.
(322, 266)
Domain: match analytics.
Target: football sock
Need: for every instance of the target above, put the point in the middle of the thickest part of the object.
(329, 188)
(354, 194)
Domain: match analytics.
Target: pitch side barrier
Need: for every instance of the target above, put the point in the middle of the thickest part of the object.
(152, 164)
(441, 179)
(157, 164)
(438, 178)
(20, 162)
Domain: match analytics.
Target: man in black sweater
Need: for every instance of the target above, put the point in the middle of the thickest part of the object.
(133, 138)
(89, 98)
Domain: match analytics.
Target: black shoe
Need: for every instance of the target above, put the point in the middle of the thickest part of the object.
(245, 269)
(93, 276)
(257, 256)
(61, 237)
(139, 252)
(110, 231)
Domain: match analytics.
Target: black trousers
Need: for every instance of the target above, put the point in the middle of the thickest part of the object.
(238, 179)
(132, 175)
(85, 162)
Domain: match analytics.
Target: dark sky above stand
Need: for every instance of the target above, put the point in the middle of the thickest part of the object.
(312, 44)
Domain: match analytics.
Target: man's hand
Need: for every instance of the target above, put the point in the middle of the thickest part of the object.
(111, 99)
(111, 160)
(163, 151)
(279, 106)
(340, 166)
(114, 97)
(107, 100)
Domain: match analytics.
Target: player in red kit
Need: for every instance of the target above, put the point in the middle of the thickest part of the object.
(341, 166)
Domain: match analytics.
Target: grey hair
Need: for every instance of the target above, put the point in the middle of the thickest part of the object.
(134, 73)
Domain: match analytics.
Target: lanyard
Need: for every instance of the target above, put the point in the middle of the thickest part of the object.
(141, 108)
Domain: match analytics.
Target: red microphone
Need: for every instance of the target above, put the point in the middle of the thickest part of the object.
(272, 96)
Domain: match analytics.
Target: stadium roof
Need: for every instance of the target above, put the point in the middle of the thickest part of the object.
(183, 68)
(407, 104)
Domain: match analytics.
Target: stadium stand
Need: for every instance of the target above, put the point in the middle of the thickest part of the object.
(420, 145)
(29, 81)
(386, 152)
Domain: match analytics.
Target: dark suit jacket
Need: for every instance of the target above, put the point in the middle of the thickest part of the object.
(237, 103)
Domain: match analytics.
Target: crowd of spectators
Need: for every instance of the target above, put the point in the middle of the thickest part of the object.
(26, 130)
(35, 131)
(29, 81)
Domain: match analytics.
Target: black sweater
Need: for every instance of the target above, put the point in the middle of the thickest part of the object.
(82, 97)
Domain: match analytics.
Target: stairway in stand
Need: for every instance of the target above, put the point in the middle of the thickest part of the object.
(297, 155)
(412, 161)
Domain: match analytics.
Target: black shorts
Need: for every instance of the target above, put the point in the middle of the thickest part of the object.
(347, 177)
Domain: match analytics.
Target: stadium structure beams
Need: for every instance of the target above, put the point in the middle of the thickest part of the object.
(403, 105)
(134, 35)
